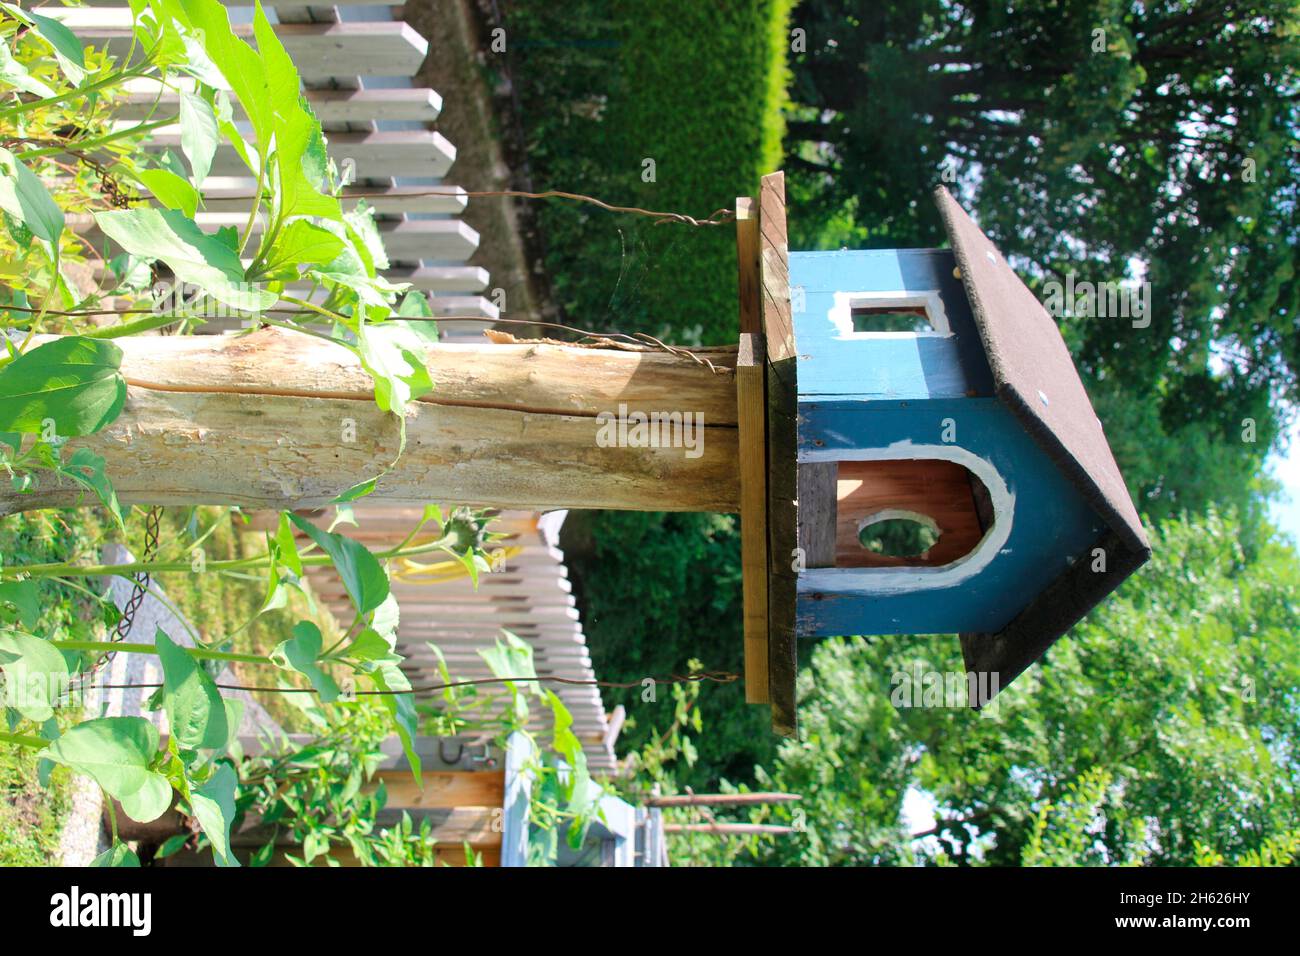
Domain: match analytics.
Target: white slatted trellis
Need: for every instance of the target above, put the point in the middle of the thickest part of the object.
(357, 64)
(530, 595)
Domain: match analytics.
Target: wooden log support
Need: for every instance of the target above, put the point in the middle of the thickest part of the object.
(278, 420)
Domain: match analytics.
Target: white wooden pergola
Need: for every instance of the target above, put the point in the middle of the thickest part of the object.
(358, 65)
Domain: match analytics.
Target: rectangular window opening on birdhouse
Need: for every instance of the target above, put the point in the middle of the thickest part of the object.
(890, 513)
(891, 318)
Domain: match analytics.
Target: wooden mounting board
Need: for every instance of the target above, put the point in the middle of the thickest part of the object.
(767, 404)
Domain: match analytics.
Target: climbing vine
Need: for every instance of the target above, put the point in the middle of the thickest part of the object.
(99, 242)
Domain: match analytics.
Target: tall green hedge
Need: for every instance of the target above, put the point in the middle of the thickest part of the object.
(698, 87)
(603, 87)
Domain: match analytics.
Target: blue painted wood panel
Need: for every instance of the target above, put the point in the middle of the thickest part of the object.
(836, 362)
(1051, 525)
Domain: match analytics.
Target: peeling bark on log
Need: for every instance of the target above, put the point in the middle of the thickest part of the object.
(262, 421)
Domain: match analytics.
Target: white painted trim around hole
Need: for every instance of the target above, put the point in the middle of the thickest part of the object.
(841, 312)
(902, 579)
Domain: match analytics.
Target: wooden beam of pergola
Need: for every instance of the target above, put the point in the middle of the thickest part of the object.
(275, 419)
(721, 799)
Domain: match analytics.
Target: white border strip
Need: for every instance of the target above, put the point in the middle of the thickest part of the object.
(841, 313)
(902, 579)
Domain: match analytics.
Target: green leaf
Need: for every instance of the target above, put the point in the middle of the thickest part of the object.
(415, 305)
(237, 61)
(174, 192)
(117, 752)
(393, 354)
(87, 469)
(199, 136)
(193, 255)
(24, 196)
(36, 674)
(363, 576)
(67, 48)
(195, 711)
(286, 547)
(25, 597)
(388, 677)
(359, 490)
(299, 144)
(514, 658)
(214, 807)
(348, 272)
(365, 235)
(300, 653)
(387, 617)
(301, 243)
(173, 844)
(72, 380)
(16, 75)
(369, 645)
(119, 854)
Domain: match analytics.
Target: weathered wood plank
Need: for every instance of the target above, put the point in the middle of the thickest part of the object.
(319, 50)
(939, 490)
(234, 194)
(782, 451)
(418, 153)
(442, 278)
(751, 406)
(818, 513)
(443, 789)
(751, 402)
(411, 240)
(404, 240)
(271, 420)
(419, 104)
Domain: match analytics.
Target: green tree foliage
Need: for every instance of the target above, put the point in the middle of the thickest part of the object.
(657, 590)
(1166, 721)
(1089, 134)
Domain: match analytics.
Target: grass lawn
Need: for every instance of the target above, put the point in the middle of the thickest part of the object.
(31, 816)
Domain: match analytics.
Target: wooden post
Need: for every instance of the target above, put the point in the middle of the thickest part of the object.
(729, 829)
(782, 453)
(722, 799)
(279, 420)
(767, 399)
(751, 406)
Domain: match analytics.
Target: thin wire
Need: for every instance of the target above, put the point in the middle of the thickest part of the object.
(717, 677)
(718, 218)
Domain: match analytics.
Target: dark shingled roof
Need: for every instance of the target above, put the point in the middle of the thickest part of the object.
(1035, 376)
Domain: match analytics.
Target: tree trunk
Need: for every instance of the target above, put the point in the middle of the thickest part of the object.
(279, 420)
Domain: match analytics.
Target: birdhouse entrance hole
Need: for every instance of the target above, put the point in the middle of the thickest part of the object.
(898, 534)
(890, 513)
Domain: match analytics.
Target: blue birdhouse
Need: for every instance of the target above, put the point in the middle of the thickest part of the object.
(950, 475)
